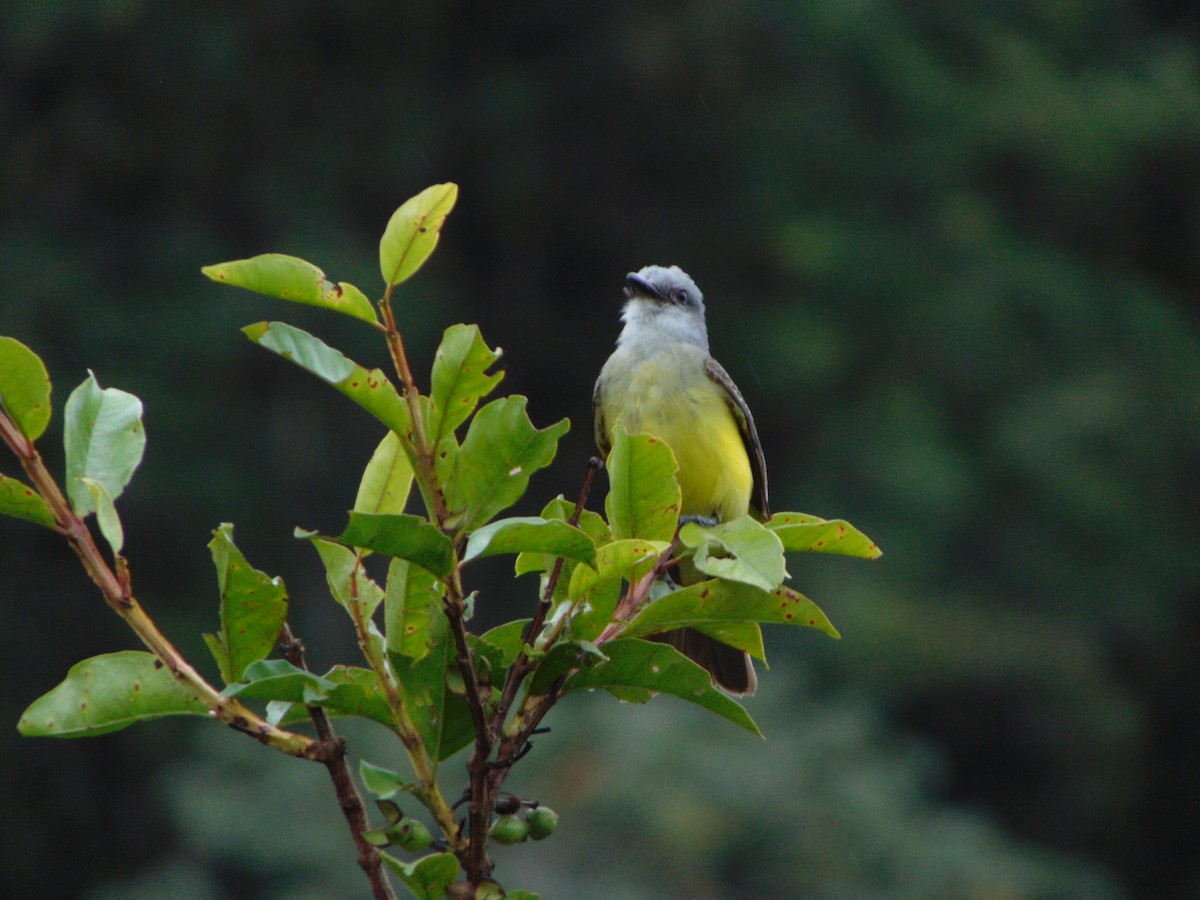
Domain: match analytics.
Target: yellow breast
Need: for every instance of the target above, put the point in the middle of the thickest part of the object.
(669, 395)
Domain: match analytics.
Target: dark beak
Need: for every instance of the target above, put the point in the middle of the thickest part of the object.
(637, 286)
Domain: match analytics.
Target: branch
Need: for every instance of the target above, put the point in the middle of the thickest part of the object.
(424, 768)
(115, 587)
(348, 796)
(523, 665)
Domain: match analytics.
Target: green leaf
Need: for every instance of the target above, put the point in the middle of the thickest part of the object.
(381, 782)
(348, 582)
(563, 657)
(411, 609)
(427, 877)
(501, 451)
(104, 441)
(24, 388)
(404, 536)
(293, 279)
(749, 553)
(716, 601)
(643, 497)
(413, 231)
(636, 670)
(459, 380)
(507, 638)
(20, 500)
(356, 692)
(278, 679)
(458, 729)
(799, 531)
(107, 693)
(371, 390)
(422, 684)
(530, 534)
(254, 606)
(590, 523)
(106, 515)
(387, 479)
(613, 561)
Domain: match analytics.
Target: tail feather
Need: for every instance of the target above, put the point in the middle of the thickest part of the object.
(730, 668)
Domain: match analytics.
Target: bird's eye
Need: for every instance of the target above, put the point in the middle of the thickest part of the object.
(680, 295)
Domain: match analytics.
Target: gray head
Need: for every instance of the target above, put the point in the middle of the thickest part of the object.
(663, 303)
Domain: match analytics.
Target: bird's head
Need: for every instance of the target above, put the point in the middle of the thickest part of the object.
(663, 301)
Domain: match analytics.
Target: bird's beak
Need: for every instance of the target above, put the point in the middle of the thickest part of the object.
(637, 286)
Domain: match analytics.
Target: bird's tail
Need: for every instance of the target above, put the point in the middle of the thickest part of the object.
(730, 668)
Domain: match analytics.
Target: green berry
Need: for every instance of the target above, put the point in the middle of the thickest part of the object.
(410, 835)
(542, 822)
(509, 830)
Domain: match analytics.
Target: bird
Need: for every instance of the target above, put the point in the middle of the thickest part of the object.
(661, 380)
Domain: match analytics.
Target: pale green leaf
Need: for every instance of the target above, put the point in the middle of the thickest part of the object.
(413, 231)
(293, 279)
(104, 441)
(739, 550)
(802, 532)
(106, 515)
(387, 479)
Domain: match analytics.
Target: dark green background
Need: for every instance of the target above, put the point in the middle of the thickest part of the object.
(950, 253)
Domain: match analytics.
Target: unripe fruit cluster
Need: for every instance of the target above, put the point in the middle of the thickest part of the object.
(514, 828)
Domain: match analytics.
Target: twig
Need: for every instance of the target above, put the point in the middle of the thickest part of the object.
(424, 768)
(348, 796)
(523, 665)
(115, 587)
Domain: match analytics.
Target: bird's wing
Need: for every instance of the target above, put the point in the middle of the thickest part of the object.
(603, 443)
(745, 421)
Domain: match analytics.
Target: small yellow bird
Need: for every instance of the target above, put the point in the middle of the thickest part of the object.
(662, 381)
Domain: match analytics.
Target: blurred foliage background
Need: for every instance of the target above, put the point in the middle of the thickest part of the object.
(950, 256)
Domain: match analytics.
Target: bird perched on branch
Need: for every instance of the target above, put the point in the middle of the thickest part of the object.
(662, 381)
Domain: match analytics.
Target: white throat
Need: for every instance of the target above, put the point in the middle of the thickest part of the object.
(648, 322)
